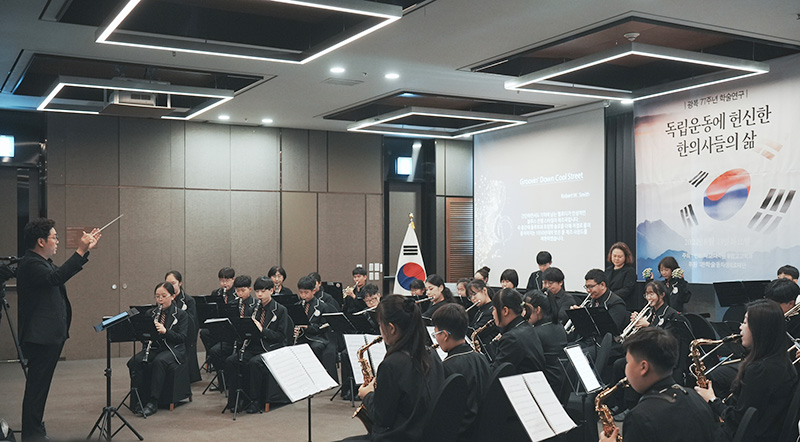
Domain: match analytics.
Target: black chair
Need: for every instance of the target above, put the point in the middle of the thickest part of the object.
(496, 419)
(735, 313)
(789, 432)
(701, 328)
(447, 413)
(176, 387)
(745, 430)
(603, 354)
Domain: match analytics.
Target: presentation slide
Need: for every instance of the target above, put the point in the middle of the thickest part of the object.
(540, 186)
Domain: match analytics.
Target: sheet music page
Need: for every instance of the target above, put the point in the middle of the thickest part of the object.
(289, 373)
(442, 353)
(313, 367)
(555, 414)
(353, 343)
(528, 411)
(582, 367)
(376, 353)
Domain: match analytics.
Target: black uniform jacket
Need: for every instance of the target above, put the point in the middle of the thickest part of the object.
(475, 369)
(520, 346)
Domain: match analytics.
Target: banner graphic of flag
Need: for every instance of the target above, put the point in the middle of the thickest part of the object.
(409, 265)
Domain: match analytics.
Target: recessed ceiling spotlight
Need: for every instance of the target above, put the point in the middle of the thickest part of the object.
(391, 76)
(224, 117)
(337, 70)
(267, 120)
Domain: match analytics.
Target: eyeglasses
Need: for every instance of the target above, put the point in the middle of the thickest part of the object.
(433, 335)
(650, 294)
(589, 287)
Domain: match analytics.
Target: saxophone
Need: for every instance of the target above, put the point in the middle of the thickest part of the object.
(698, 368)
(366, 370)
(476, 343)
(606, 418)
(146, 358)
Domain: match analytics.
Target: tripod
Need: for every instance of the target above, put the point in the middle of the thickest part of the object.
(6, 273)
(103, 424)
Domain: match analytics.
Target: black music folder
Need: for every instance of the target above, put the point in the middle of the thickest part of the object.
(144, 327)
(286, 300)
(343, 323)
(221, 327)
(731, 293)
(592, 322)
(297, 313)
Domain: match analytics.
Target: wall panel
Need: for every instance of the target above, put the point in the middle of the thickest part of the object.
(298, 235)
(255, 158)
(354, 163)
(342, 235)
(208, 238)
(151, 153)
(208, 156)
(91, 149)
(318, 161)
(458, 168)
(294, 157)
(255, 232)
(374, 226)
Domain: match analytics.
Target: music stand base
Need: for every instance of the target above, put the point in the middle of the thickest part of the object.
(103, 425)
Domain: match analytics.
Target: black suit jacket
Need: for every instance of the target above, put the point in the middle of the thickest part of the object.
(520, 345)
(45, 313)
(534, 281)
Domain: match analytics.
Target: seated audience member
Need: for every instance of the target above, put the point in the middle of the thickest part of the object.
(621, 274)
(544, 260)
(518, 343)
(149, 367)
(766, 377)
(666, 411)
(450, 327)
(677, 287)
(509, 279)
(553, 282)
(438, 293)
(551, 334)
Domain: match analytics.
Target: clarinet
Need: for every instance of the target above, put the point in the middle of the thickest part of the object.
(145, 359)
(247, 340)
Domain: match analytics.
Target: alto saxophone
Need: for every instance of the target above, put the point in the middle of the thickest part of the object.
(146, 358)
(366, 370)
(698, 368)
(476, 343)
(606, 418)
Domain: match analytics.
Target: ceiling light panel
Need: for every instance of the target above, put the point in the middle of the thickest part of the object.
(288, 31)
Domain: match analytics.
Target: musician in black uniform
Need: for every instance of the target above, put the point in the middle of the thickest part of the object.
(766, 377)
(551, 334)
(450, 327)
(354, 299)
(223, 296)
(272, 321)
(553, 282)
(785, 293)
(44, 314)
(439, 293)
(243, 306)
(519, 344)
(677, 288)
(372, 297)
(480, 293)
(603, 297)
(314, 334)
(544, 260)
(398, 400)
(321, 294)
(278, 276)
(149, 367)
(189, 305)
(509, 279)
(666, 411)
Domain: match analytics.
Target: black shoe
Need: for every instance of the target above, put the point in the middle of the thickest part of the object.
(253, 408)
(150, 409)
(347, 396)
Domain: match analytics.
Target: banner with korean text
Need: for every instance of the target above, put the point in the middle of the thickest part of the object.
(717, 172)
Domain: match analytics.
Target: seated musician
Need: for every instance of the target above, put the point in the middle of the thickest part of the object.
(766, 377)
(314, 334)
(450, 327)
(189, 305)
(372, 297)
(354, 298)
(789, 272)
(278, 276)
(544, 260)
(518, 343)
(398, 400)
(244, 306)
(551, 334)
(417, 288)
(319, 293)
(509, 279)
(482, 295)
(224, 295)
(461, 287)
(272, 321)
(439, 294)
(666, 411)
(553, 282)
(603, 297)
(149, 367)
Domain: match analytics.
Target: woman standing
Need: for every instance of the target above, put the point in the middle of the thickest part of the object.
(621, 275)
(677, 288)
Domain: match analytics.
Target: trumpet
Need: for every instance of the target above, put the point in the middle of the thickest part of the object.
(795, 346)
(604, 413)
(146, 357)
(568, 327)
(698, 368)
(794, 311)
(632, 328)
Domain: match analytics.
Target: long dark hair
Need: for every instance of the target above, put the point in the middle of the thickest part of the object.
(546, 301)
(476, 285)
(513, 300)
(768, 329)
(404, 314)
(439, 282)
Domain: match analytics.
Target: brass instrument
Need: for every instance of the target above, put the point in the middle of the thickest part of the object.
(603, 412)
(476, 344)
(794, 311)
(568, 327)
(632, 328)
(146, 357)
(366, 370)
(795, 346)
(698, 368)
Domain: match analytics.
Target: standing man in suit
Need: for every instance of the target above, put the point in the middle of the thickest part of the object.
(44, 314)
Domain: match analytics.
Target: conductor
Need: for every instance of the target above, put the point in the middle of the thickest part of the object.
(44, 314)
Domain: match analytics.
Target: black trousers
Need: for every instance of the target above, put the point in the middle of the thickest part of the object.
(149, 377)
(42, 360)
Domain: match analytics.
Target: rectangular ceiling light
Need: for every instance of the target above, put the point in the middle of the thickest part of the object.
(208, 98)
(435, 123)
(376, 16)
(545, 80)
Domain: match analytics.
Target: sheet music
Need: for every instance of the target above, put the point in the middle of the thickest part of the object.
(353, 343)
(298, 375)
(582, 367)
(376, 353)
(526, 408)
(555, 414)
(431, 330)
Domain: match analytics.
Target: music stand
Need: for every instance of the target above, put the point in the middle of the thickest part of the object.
(335, 290)
(103, 423)
(246, 329)
(297, 314)
(207, 308)
(286, 300)
(592, 322)
(731, 293)
(340, 323)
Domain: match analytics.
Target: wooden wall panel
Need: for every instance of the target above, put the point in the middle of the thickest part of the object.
(298, 235)
(458, 168)
(342, 235)
(460, 238)
(255, 158)
(208, 238)
(208, 156)
(294, 160)
(255, 232)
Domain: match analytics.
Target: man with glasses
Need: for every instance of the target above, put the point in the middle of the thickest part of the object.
(45, 314)
(602, 297)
